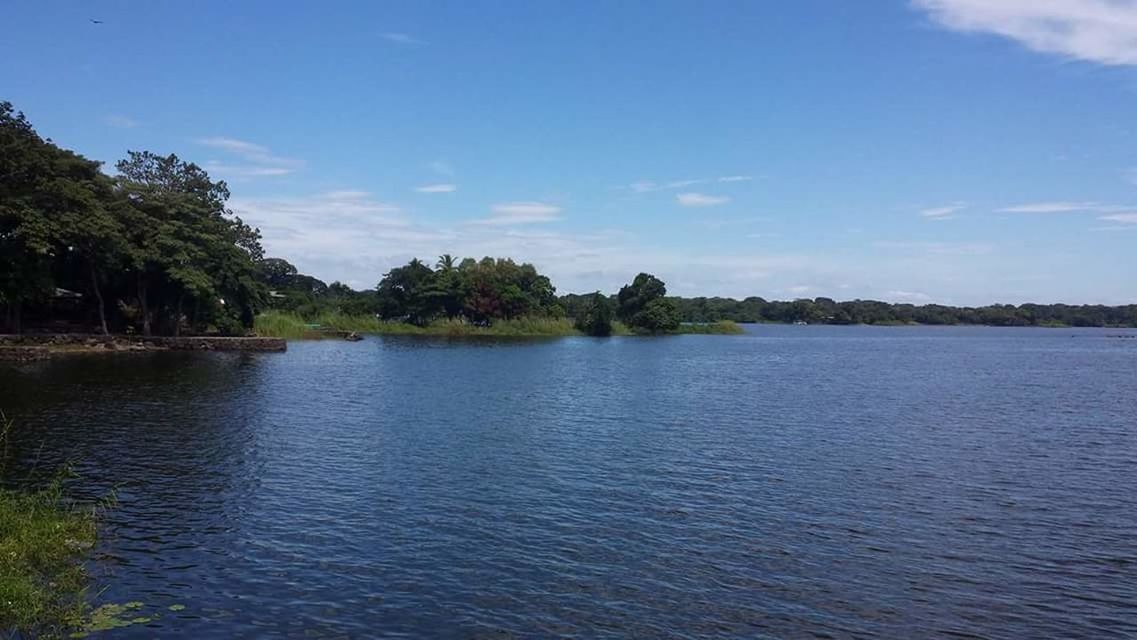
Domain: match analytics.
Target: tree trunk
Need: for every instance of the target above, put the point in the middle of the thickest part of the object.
(99, 299)
(142, 306)
(16, 313)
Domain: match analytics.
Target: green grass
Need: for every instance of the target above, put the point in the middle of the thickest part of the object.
(277, 324)
(43, 540)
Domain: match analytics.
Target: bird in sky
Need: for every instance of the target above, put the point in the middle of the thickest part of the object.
(93, 21)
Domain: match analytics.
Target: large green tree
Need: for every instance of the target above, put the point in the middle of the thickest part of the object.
(53, 210)
(188, 253)
(643, 305)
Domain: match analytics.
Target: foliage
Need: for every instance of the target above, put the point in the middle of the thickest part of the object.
(153, 249)
(279, 324)
(643, 307)
(828, 311)
(42, 541)
(482, 292)
(595, 317)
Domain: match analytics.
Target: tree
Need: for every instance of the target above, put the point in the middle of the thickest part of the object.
(408, 292)
(643, 305)
(184, 246)
(595, 318)
(277, 273)
(28, 237)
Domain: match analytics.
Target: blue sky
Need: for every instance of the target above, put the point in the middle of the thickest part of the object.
(957, 151)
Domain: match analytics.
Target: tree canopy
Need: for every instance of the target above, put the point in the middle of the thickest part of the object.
(151, 249)
(644, 307)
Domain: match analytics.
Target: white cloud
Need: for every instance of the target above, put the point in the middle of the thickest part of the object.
(352, 236)
(521, 213)
(401, 38)
(120, 122)
(943, 213)
(648, 186)
(1051, 207)
(692, 199)
(1124, 218)
(1101, 31)
(437, 188)
(245, 171)
(349, 194)
(256, 159)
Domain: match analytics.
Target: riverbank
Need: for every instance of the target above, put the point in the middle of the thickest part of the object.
(39, 346)
(292, 327)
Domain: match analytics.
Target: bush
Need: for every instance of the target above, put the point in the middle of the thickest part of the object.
(595, 318)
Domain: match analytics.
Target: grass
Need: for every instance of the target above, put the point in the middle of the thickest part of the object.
(43, 540)
(720, 328)
(276, 324)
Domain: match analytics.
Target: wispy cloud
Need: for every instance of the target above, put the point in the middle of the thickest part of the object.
(255, 160)
(401, 38)
(943, 213)
(649, 186)
(1051, 207)
(1101, 31)
(120, 122)
(692, 199)
(437, 188)
(1123, 218)
(521, 213)
(245, 171)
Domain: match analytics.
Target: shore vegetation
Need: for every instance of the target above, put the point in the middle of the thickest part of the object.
(44, 539)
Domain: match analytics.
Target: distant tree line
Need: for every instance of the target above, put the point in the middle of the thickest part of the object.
(828, 311)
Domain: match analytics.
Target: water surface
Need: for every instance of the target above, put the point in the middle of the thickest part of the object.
(794, 482)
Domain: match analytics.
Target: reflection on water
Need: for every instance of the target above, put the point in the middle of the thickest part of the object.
(798, 481)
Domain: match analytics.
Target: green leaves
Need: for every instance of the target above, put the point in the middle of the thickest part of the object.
(644, 307)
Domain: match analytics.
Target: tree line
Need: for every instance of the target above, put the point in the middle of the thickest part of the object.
(828, 311)
(475, 291)
(152, 249)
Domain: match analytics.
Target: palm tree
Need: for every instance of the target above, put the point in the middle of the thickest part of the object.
(445, 262)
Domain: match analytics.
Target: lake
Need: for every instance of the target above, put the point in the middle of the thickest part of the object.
(908, 482)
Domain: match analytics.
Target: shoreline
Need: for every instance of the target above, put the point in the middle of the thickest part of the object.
(30, 347)
(338, 326)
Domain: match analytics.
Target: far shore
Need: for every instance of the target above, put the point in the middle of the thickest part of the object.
(332, 325)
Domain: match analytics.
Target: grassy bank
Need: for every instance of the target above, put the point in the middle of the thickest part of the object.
(43, 540)
(276, 324)
(42, 543)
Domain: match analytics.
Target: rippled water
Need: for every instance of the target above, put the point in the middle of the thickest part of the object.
(793, 482)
